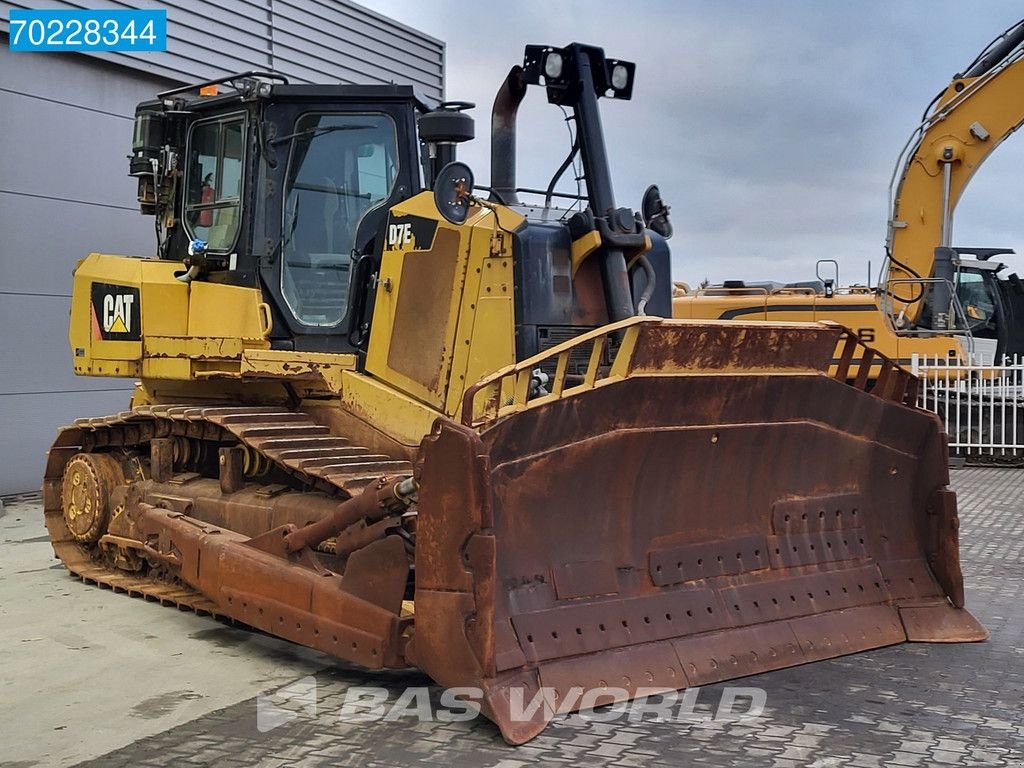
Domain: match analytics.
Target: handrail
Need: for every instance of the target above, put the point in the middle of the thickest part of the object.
(795, 290)
(958, 310)
(509, 389)
(757, 290)
(719, 290)
(894, 382)
(516, 387)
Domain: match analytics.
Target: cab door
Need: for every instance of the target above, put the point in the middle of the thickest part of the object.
(984, 311)
(339, 168)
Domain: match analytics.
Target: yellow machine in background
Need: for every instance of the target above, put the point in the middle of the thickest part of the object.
(934, 300)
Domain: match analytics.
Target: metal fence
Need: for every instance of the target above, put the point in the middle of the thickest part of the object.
(981, 404)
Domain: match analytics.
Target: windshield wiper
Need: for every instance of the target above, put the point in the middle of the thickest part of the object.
(313, 132)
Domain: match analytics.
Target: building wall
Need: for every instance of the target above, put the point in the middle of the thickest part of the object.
(307, 40)
(65, 131)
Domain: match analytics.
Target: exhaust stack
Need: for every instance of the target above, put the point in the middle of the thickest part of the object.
(503, 137)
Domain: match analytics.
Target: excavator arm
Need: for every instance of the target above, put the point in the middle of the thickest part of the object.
(962, 126)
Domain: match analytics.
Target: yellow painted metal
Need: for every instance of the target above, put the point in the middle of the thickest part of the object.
(206, 340)
(229, 311)
(395, 414)
(507, 389)
(116, 368)
(175, 368)
(583, 246)
(229, 391)
(586, 244)
(860, 313)
(634, 255)
(485, 335)
(312, 372)
(161, 307)
(387, 350)
(436, 368)
(620, 365)
(187, 330)
(195, 347)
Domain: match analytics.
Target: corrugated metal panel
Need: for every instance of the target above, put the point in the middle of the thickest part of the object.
(325, 38)
(307, 40)
(65, 170)
(30, 423)
(36, 257)
(65, 128)
(38, 360)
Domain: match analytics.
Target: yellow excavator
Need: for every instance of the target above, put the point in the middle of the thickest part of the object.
(389, 419)
(934, 300)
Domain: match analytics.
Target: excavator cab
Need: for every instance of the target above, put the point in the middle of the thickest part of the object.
(392, 420)
(993, 304)
(970, 300)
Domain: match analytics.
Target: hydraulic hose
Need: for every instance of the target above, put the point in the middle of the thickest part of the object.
(648, 292)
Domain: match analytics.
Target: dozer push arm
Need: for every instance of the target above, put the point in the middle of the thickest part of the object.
(969, 119)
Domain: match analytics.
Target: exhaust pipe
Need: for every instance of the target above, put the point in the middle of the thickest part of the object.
(503, 137)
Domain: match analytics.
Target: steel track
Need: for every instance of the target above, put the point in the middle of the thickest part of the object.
(290, 441)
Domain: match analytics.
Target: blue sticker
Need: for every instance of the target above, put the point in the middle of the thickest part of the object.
(77, 31)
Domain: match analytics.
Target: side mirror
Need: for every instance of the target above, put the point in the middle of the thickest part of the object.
(453, 192)
(655, 212)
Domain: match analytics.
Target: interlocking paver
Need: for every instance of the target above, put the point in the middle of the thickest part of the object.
(907, 705)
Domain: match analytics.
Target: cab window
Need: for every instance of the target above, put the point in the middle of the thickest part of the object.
(340, 167)
(214, 181)
(978, 304)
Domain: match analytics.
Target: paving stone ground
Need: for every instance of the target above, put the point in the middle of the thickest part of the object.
(907, 705)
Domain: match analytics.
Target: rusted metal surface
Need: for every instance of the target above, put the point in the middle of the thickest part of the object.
(376, 501)
(646, 346)
(422, 312)
(745, 521)
(702, 347)
(252, 510)
(292, 597)
(162, 442)
(88, 483)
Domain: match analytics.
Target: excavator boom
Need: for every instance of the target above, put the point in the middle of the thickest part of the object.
(964, 124)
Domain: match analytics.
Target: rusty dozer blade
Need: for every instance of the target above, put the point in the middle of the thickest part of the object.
(716, 505)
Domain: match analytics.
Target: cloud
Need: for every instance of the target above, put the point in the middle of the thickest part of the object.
(771, 127)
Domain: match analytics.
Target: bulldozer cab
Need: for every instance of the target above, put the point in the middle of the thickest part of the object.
(286, 186)
(297, 190)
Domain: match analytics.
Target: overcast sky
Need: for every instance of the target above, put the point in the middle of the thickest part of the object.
(772, 127)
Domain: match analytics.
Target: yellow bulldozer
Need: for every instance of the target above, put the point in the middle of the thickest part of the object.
(387, 418)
